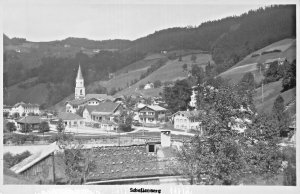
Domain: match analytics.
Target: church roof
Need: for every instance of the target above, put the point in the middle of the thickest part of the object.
(105, 107)
(79, 74)
(69, 116)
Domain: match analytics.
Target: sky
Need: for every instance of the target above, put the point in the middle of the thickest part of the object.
(45, 20)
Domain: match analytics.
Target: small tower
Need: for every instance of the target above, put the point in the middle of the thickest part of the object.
(79, 88)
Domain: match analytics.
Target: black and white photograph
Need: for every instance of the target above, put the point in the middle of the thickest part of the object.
(149, 96)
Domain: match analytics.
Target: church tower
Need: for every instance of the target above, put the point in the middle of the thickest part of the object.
(79, 88)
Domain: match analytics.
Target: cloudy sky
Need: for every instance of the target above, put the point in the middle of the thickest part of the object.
(45, 20)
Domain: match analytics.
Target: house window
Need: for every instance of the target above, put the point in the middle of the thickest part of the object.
(151, 148)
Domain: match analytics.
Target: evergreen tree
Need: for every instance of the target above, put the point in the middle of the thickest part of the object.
(60, 127)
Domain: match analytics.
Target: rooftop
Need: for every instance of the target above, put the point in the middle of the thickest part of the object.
(69, 116)
(154, 107)
(103, 108)
(30, 120)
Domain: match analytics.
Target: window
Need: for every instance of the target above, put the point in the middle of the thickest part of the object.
(151, 148)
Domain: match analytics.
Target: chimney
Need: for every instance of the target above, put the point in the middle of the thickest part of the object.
(165, 137)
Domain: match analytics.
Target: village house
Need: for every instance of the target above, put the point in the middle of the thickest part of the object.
(102, 113)
(148, 86)
(152, 114)
(268, 62)
(82, 99)
(193, 102)
(187, 120)
(33, 122)
(71, 119)
(23, 108)
(7, 109)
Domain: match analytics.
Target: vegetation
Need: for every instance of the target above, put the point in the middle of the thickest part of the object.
(178, 96)
(224, 155)
(11, 127)
(44, 127)
(60, 127)
(289, 77)
(12, 160)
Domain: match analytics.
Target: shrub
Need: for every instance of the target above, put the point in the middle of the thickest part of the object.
(12, 160)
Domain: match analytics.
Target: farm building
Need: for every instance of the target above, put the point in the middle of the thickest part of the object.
(71, 119)
(23, 108)
(42, 167)
(186, 120)
(151, 114)
(101, 112)
(32, 121)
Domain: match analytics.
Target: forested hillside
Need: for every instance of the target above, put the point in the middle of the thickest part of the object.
(55, 63)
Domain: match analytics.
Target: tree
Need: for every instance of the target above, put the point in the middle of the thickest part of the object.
(193, 58)
(289, 77)
(184, 67)
(129, 102)
(11, 127)
(247, 86)
(26, 128)
(157, 84)
(113, 91)
(60, 127)
(224, 155)
(141, 86)
(280, 115)
(79, 111)
(260, 68)
(198, 73)
(124, 121)
(44, 127)
(12, 160)
(180, 58)
(178, 96)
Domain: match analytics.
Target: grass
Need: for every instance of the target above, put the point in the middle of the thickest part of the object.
(271, 92)
(287, 47)
(171, 71)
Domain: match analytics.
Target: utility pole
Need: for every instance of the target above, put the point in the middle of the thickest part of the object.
(53, 168)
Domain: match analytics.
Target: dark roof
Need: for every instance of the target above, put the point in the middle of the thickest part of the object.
(26, 105)
(125, 162)
(30, 120)
(154, 107)
(6, 106)
(104, 107)
(99, 97)
(69, 116)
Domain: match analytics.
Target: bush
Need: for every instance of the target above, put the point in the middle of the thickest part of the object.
(12, 160)
(125, 128)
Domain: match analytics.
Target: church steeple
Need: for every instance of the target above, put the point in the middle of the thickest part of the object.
(79, 88)
(79, 74)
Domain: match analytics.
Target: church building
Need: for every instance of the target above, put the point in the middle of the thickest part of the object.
(82, 99)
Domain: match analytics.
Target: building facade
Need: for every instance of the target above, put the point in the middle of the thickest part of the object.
(187, 120)
(151, 114)
(23, 108)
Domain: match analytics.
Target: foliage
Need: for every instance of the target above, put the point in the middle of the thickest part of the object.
(289, 78)
(178, 96)
(44, 127)
(60, 127)
(289, 173)
(225, 154)
(19, 138)
(124, 121)
(26, 128)
(198, 73)
(279, 114)
(184, 67)
(113, 91)
(11, 127)
(79, 111)
(141, 86)
(193, 58)
(129, 102)
(153, 68)
(157, 84)
(12, 160)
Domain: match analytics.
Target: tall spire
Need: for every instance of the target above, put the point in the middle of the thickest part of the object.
(79, 74)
